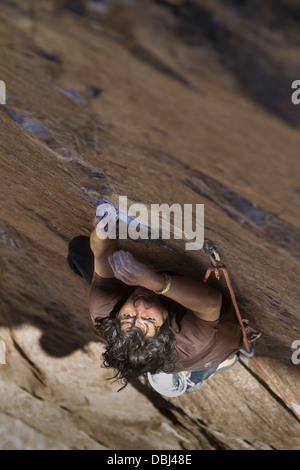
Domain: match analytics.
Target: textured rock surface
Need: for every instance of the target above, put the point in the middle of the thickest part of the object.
(143, 101)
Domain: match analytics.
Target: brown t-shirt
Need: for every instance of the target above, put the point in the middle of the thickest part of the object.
(200, 344)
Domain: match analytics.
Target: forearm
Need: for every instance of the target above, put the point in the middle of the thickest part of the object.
(102, 249)
(191, 293)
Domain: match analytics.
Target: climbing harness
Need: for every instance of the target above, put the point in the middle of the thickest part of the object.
(211, 249)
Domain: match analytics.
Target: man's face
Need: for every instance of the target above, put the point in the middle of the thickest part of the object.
(144, 310)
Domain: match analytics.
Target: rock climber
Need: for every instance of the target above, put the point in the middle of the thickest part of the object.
(154, 321)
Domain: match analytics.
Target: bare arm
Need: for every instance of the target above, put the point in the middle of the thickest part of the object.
(102, 249)
(197, 296)
(193, 294)
(106, 225)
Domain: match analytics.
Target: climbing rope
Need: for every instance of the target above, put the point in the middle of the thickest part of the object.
(211, 249)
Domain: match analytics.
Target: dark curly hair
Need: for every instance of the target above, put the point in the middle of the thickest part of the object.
(131, 353)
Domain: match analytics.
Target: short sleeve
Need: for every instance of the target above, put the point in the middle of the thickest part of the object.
(104, 294)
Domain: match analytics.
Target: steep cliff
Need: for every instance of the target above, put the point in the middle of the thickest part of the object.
(187, 104)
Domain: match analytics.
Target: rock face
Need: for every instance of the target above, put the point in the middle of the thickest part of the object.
(162, 103)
